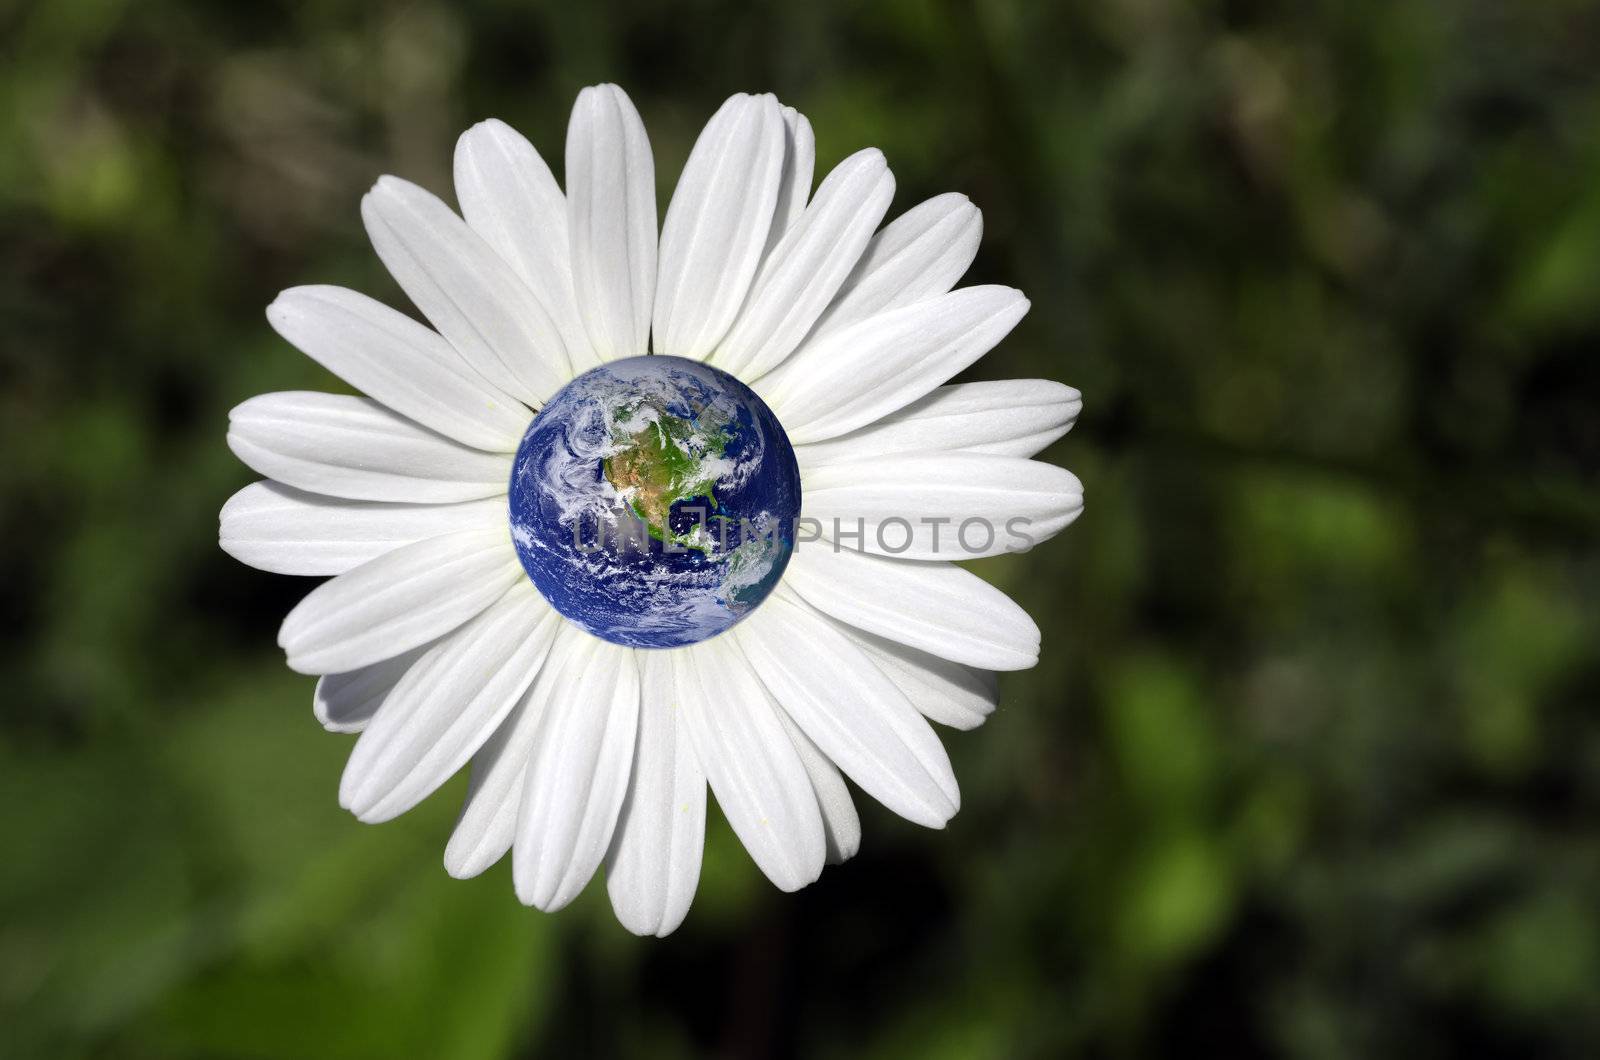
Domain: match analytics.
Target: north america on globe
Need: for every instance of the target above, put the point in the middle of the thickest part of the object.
(653, 501)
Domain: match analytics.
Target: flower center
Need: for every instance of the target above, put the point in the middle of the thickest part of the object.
(653, 501)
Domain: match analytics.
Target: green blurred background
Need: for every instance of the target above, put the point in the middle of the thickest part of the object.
(1311, 764)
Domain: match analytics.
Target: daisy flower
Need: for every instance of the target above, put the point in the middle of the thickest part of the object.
(770, 357)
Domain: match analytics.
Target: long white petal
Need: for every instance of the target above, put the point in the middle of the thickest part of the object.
(399, 363)
(653, 867)
(844, 703)
(920, 255)
(447, 705)
(488, 822)
(509, 197)
(936, 607)
(346, 702)
(841, 825)
(954, 506)
(750, 762)
(807, 266)
(471, 295)
(355, 448)
(1011, 417)
(853, 376)
(578, 776)
(399, 600)
(944, 691)
(794, 188)
(717, 224)
(611, 214)
(281, 529)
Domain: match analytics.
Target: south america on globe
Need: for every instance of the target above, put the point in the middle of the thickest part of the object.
(653, 501)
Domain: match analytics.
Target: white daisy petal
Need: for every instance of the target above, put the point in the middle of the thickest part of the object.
(856, 375)
(611, 214)
(346, 702)
(355, 448)
(447, 705)
(399, 363)
(794, 188)
(399, 600)
(936, 607)
(750, 762)
(841, 825)
(653, 867)
(1012, 417)
(953, 506)
(944, 691)
(467, 290)
(717, 224)
(578, 776)
(920, 255)
(807, 266)
(278, 528)
(488, 822)
(856, 715)
(509, 197)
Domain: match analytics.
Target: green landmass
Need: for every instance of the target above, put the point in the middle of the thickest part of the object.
(666, 464)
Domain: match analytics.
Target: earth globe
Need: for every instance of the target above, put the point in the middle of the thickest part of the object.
(653, 501)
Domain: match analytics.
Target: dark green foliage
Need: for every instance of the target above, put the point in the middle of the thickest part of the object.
(1311, 765)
